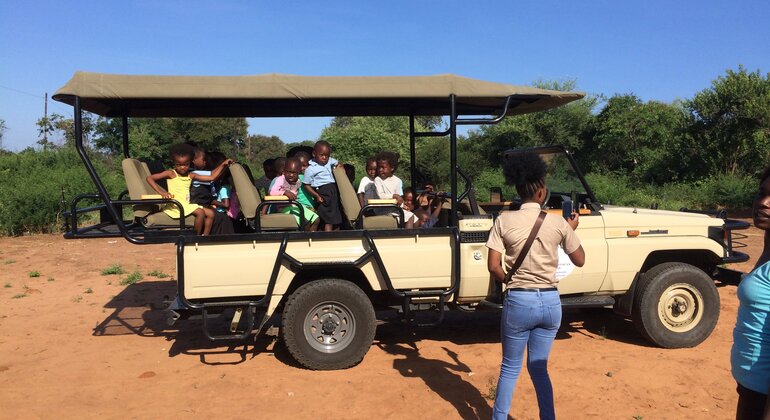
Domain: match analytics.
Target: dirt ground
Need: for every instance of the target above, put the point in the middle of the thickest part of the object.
(78, 344)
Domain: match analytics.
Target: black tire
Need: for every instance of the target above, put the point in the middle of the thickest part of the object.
(676, 305)
(328, 324)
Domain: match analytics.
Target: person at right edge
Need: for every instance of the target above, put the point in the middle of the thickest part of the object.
(531, 307)
(750, 354)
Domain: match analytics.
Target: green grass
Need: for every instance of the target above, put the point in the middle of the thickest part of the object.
(131, 278)
(7, 285)
(157, 273)
(34, 273)
(113, 269)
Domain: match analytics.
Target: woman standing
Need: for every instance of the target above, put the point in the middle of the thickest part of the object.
(750, 355)
(532, 307)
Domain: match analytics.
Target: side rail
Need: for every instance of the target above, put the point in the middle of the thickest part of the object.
(108, 227)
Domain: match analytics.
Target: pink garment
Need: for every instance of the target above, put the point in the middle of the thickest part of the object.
(281, 185)
(235, 206)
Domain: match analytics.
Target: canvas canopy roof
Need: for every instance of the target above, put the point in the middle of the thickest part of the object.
(281, 95)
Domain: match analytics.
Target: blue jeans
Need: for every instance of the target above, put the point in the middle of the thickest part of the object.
(530, 319)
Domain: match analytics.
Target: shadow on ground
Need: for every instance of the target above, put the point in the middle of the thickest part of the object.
(139, 310)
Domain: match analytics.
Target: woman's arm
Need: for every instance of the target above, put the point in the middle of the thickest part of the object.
(578, 256)
(152, 180)
(495, 265)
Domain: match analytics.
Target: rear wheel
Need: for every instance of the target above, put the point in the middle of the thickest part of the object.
(676, 305)
(328, 324)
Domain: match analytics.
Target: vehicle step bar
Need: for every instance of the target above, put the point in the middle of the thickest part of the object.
(566, 302)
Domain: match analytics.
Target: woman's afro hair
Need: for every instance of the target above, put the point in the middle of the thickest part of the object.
(526, 171)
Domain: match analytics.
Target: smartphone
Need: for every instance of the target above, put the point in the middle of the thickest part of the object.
(566, 209)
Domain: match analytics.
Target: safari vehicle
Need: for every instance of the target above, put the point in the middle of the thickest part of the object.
(655, 266)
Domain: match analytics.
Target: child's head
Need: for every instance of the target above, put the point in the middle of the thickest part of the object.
(214, 159)
(322, 151)
(304, 160)
(292, 169)
(181, 158)
(387, 163)
(371, 168)
(409, 199)
(199, 158)
(269, 167)
(279, 165)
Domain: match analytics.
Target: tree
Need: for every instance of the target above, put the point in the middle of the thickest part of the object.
(731, 122)
(257, 148)
(566, 125)
(643, 140)
(152, 137)
(64, 128)
(355, 139)
(2, 132)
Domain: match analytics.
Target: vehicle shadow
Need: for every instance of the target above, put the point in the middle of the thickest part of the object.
(599, 324)
(444, 378)
(139, 309)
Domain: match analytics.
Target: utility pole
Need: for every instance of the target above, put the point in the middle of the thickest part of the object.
(45, 119)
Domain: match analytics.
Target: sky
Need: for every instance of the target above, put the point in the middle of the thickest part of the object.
(658, 50)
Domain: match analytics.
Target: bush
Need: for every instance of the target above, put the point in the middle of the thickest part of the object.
(31, 191)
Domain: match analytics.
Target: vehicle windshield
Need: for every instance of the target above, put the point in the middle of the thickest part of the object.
(563, 180)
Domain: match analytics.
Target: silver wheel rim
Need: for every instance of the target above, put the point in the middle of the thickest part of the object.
(680, 307)
(330, 327)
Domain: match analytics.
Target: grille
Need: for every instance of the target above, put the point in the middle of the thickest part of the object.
(474, 236)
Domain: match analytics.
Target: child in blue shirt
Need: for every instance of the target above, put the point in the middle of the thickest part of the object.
(319, 183)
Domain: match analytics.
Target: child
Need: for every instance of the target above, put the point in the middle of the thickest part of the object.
(366, 187)
(319, 182)
(263, 183)
(388, 185)
(289, 185)
(303, 197)
(179, 179)
(201, 192)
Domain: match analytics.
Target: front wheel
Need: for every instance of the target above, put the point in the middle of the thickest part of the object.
(676, 305)
(328, 324)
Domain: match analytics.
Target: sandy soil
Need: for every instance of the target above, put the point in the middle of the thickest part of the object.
(75, 343)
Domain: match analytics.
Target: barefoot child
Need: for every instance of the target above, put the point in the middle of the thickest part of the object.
(179, 179)
(319, 182)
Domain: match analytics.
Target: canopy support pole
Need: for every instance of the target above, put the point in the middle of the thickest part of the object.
(453, 157)
(412, 154)
(124, 129)
(103, 194)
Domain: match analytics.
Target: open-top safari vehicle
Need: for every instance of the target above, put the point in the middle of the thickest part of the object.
(655, 266)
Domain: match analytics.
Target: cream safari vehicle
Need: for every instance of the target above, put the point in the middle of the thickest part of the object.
(657, 267)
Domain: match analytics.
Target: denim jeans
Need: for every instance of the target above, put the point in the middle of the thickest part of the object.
(530, 319)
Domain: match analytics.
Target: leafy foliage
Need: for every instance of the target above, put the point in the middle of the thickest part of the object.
(35, 181)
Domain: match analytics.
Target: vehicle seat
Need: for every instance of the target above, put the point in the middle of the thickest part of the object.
(249, 198)
(351, 208)
(135, 174)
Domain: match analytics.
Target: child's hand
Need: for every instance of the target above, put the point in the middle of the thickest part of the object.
(166, 195)
(320, 200)
(290, 194)
(399, 199)
(228, 162)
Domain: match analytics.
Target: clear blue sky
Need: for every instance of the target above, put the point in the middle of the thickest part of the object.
(659, 50)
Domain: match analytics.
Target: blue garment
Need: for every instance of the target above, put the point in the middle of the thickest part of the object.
(224, 194)
(750, 355)
(317, 175)
(530, 320)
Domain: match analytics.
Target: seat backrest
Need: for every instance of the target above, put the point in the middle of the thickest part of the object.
(135, 174)
(248, 196)
(348, 197)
